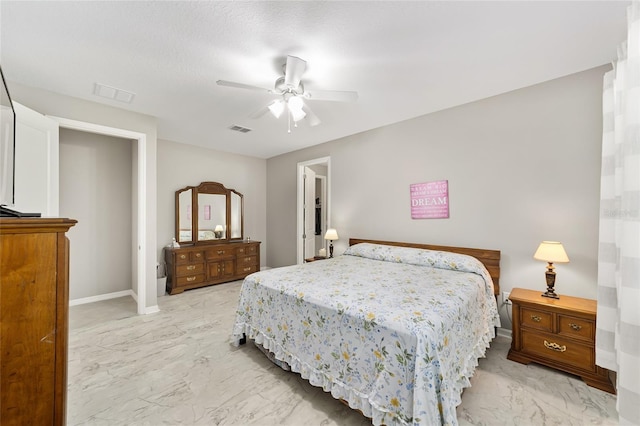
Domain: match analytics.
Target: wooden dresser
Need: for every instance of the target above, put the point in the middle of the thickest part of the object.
(34, 306)
(558, 333)
(202, 265)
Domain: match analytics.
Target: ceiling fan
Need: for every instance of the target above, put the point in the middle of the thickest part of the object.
(292, 94)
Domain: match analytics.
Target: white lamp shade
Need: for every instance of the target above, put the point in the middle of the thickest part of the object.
(551, 251)
(331, 234)
(295, 105)
(297, 114)
(276, 108)
(218, 228)
(295, 102)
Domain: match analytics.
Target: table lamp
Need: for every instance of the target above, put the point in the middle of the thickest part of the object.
(551, 251)
(331, 235)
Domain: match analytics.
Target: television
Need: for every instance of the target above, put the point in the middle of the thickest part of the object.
(7, 148)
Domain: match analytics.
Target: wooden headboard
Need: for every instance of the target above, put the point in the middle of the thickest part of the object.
(489, 258)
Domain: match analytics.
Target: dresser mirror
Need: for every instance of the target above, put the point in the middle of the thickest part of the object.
(209, 213)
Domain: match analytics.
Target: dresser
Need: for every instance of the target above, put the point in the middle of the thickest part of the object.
(558, 333)
(34, 308)
(202, 265)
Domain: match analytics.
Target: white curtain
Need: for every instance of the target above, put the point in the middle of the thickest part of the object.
(618, 320)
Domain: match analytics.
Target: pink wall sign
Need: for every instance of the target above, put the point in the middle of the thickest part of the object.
(430, 200)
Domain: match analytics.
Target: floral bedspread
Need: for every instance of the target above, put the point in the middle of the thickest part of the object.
(394, 331)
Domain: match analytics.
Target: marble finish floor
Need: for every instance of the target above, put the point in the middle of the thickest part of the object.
(176, 367)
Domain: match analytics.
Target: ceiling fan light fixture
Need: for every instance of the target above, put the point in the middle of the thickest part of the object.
(295, 103)
(277, 108)
(297, 114)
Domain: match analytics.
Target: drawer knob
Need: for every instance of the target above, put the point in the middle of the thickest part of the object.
(183, 256)
(189, 279)
(246, 269)
(554, 346)
(535, 318)
(220, 251)
(198, 254)
(191, 267)
(247, 259)
(575, 327)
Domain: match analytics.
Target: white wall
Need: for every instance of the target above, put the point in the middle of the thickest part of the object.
(54, 104)
(95, 189)
(522, 167)
(181, 165)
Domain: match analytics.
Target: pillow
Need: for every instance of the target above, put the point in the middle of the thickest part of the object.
(417, 256)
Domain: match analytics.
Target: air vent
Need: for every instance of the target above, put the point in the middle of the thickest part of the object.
(113, 93)
(240, 129)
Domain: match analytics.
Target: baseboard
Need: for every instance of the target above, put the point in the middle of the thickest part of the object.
(101, 297)
(504, 332)
(152, 310)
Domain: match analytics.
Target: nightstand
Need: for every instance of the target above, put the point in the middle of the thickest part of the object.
(558, 333)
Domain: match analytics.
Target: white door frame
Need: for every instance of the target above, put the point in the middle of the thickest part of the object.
(300, 202)
(141, 138)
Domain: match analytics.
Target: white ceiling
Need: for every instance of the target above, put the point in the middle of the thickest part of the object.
(405, 59)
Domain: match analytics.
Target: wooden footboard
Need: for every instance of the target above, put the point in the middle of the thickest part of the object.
(489, 258)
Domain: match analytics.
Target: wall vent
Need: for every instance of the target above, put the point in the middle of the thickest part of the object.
(240, 129)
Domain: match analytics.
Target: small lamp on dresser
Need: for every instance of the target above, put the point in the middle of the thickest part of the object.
(550, 252)
(331, 235)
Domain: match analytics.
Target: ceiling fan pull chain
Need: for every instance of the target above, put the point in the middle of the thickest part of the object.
(288, 121)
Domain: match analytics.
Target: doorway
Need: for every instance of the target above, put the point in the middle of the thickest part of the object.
(96, 188)
(313, 206)
(139, 233)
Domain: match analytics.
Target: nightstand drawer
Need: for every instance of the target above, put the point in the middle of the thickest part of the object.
(539, 320)
(576, 328)
(555, 348)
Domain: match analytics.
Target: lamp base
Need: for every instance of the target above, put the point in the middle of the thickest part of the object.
(550, 276)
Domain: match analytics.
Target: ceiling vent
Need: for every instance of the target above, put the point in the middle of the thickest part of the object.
(240, 129)
(113, 93)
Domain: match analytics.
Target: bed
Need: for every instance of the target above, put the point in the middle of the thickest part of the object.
(392, 329)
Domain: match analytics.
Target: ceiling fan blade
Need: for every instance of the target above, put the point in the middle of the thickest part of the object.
(294, 69)
(242, 86)
(313, 119)
(331, 95)
(259, 113)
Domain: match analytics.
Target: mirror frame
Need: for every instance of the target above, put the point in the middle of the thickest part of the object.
(208, 188)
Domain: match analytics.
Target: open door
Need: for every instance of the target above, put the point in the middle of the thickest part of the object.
(306, 245)
(309, 213)
(36, 169)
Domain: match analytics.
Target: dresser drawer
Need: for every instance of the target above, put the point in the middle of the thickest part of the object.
(183, 257)
(577, 328)
(247, 249)
(190, 279)
(192, 269)
(556, 348)
(220, 253)
(246, 269)
(246, 261)
(540, 320)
